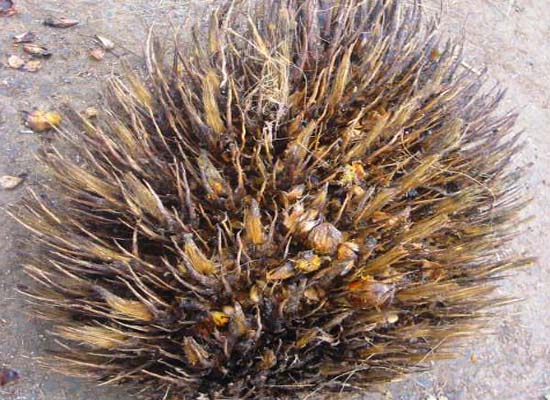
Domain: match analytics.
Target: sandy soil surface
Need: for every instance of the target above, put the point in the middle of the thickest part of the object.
(510, 37)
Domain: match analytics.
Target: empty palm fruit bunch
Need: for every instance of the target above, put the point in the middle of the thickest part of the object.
(311, 196)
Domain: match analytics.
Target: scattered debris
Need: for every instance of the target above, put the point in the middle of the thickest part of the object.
(36, 50)
(8, 182)
(91, 112)
(15, 62)
(40, 121)
(61, 22)
(32, 66)
(105, 43)
(97, 54)
(8, 376)
(25, 37)
(7, 8)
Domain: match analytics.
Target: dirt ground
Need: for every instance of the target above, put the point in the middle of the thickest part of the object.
(510, 37)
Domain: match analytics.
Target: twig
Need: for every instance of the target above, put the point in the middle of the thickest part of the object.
(470, 68)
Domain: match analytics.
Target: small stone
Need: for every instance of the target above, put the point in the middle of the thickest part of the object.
(97, 54)
(106, 43)
(32, 66)
(25, 37)
(15, 62)
(60, 22)
(8, 182)
(36, 50)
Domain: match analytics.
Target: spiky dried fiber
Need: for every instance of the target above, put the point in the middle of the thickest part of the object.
(313, 198)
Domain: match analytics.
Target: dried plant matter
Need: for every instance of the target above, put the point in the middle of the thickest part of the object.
(314, 197)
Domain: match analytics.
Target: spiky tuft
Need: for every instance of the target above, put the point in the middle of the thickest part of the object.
(312, 198)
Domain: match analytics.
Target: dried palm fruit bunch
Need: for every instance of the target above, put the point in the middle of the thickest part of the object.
(312, 198)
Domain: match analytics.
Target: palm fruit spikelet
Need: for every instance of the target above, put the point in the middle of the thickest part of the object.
(312, 198)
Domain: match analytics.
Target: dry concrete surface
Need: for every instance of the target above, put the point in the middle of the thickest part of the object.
(510, 37)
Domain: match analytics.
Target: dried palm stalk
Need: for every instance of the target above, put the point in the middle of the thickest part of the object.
(314, 197)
